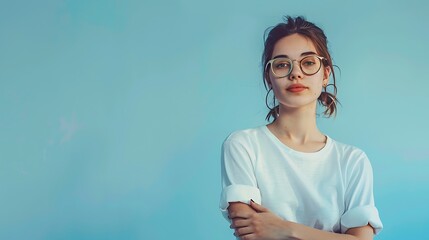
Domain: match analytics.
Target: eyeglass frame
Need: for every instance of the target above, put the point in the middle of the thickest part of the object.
(292, 61)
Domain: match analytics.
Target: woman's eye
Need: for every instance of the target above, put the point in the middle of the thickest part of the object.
(309, 63)
(282, 65)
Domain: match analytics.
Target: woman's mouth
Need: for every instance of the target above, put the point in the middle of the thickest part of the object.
(296, 88)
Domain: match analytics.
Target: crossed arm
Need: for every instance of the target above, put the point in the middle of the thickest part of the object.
(254, 222)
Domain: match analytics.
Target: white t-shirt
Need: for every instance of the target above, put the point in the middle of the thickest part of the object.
(330, 190)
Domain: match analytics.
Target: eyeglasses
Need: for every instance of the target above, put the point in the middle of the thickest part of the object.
(282, 66)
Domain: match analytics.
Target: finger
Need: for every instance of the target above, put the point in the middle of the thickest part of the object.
(243, 231)
(248, 236)
(237, 223)
(239, 214)
(257, 207)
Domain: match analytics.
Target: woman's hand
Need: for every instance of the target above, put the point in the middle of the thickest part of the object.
(262, 224)
(254, 222)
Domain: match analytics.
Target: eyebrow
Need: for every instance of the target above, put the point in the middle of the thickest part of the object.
(302, 54)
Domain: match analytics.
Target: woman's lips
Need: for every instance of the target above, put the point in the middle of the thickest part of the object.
(296, 88)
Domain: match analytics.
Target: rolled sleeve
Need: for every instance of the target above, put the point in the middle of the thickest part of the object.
(239, 183)
(361, 216)
(360, 206)
(238, 193)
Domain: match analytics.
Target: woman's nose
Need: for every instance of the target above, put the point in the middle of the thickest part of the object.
(296, 72)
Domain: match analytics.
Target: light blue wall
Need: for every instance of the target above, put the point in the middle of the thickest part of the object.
(112, 113)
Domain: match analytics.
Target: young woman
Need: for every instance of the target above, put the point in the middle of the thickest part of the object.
(288, 180)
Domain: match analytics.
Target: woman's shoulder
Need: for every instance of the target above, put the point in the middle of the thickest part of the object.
(354, 162)
(245, 135)
(348, 151)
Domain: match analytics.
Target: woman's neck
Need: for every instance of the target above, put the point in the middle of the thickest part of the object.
(297, 125)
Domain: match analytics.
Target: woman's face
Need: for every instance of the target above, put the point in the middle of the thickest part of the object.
(297, 89)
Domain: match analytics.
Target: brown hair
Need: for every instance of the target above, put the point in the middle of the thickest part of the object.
(309, 30)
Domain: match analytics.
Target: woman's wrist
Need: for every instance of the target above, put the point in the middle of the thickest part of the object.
(290, 230)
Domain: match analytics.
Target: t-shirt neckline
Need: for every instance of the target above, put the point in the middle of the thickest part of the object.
(289, 149)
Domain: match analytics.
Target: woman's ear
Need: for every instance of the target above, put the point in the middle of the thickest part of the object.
(267, 80)
(326, 74)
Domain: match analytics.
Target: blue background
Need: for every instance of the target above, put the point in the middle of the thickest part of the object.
(113, 112)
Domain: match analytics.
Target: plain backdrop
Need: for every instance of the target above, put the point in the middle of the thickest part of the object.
(112, 113)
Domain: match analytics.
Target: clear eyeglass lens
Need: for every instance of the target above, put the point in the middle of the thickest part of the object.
(310, 65)
(283, 66)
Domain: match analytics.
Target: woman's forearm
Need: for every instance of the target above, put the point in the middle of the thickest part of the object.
(302, 232)
(257, 222)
